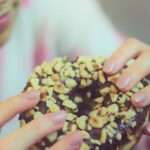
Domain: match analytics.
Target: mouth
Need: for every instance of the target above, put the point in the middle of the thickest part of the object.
(4, 21)
(6, 17)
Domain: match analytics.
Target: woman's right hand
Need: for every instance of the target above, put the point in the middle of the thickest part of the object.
(29, 134)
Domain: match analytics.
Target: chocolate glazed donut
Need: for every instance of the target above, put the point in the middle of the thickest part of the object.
(94, 104)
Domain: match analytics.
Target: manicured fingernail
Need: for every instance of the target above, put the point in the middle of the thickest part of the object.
(139, 98)
(32, 95)
(124, 83)
(59, 117)
(110, 67)
(76, 142)
(147, 130)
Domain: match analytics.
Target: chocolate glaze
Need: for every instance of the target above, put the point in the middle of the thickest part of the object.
(86, 107)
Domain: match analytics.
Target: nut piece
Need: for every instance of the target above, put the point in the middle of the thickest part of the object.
(99, 99)
(59, 88)
(114, 97)
(35, 82)
(83, 83)
(22, 122)
(105, 91)
(48, 81)
(86, 135)
(113, 78)
(114, 89)
(63, 97)
(73, 127)
(37, 115)
(103, 136)
(81, 122)
(104, 111)
(58, 66)
(55, 77)
(119, 136)
(71, 117)
(52, 137)
(84, 147)
(70, 83)
(78, 99)
(84, 74)
(54, 108)
(96, 142)
(65, 127)
(113, 108)
(97, 122)
(95, 75)
(101, 77)
(69, 104)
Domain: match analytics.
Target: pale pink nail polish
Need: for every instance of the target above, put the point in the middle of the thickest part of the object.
(77, 142)
(124, 83)
(58, 117)
(139, 98)
(110, 67)
(32, 95)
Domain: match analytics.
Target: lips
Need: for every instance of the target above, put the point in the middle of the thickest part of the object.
(4, 21)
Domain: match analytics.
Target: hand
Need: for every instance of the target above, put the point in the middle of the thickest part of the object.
(29, 134)
(130, 49)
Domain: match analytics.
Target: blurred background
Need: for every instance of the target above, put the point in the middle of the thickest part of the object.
(131, 17)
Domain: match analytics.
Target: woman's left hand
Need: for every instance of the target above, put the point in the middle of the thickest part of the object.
(130, 49)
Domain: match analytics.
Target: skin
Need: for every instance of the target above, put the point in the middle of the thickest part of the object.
(38, 128)
(12, 7)
(132, 49)
(46, 125)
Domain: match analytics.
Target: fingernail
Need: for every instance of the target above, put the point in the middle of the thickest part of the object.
(76, 143)
(110, 67)
(76, 147)
(58, 117)
(32, 95)
(124, 83)
(139, 98)
(148, 129)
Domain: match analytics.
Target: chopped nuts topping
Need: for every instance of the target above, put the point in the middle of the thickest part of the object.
(101, 77)
(103, 136)
(70, 83)
(69, 104)
(119, 136)
(105, 91)
(78, 99)
(67, 84)
(84, 147)
(81, 122)
(52, 137)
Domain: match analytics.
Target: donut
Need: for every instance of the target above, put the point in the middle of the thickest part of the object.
(94, 104)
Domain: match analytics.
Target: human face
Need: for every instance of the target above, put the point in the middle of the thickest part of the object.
(8, 11)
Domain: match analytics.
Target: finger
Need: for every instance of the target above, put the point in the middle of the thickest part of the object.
(72, 141)
(147, 129)
(142, 98)
(16, 104)
(135, 72)
(131, 48)
(33, 131)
